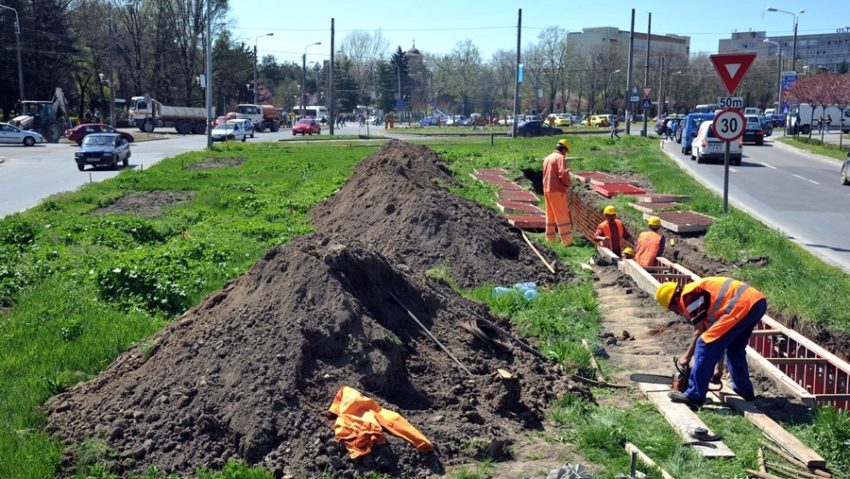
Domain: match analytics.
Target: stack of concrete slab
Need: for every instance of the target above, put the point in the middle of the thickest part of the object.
(518, 204)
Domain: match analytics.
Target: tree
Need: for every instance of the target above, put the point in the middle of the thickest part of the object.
(550, 60)
(346, 89)
(403, 84)
(364, 49)
(230, 62)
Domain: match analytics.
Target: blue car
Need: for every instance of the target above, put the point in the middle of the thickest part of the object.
(691, 127)
(428, 121)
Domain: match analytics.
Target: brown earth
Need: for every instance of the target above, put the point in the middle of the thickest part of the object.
(250, 373)
(147, 204)
(213, 163)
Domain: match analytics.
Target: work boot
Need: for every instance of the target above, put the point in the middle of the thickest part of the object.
(676, 396)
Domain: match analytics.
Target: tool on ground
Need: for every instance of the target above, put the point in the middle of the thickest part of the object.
(413, 316)
(549, 266)
(596, 383)
(681, 377)
(486, 334)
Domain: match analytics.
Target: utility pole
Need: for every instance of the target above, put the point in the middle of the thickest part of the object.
(518, 66)
(629, 75)
(18, 50)
(646, 69)
(660, 87)
(208, 91)
(331, 102)
(111, 82)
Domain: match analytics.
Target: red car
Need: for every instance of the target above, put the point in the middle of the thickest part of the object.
(224, 119)
(306, 126)
(80, 131)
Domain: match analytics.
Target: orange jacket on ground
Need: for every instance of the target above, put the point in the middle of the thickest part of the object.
(556, 173)
(721, 302)
(616, 237)
(648, 247)
(360, 422)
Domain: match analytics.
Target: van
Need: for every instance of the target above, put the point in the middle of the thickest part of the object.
(691, 127)
(708, 147)
(752, 111)
(246, 124)
(251, 112)
(804, 117)
(706, 108)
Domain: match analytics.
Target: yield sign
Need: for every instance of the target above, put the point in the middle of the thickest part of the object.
(731, 68)
(646, 91)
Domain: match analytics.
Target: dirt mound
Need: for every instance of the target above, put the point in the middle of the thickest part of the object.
(396, 202)
(250, 373)
(147, 204)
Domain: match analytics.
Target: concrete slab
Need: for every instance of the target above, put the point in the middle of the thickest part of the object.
(683, 221)
(521, 196)
(610, 190)
(653, 208)
(660, 198)
(519, 207)
(528, 222)
(492, 171)
(598, 177)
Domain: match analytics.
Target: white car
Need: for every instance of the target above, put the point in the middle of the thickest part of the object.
(707, 146)
(13, 134)
(247, 125)
(229, 132)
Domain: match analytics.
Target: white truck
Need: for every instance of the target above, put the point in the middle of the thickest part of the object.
(148, 114)
(805, 117)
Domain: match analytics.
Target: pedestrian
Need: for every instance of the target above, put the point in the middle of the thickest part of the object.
(612, 233)
(723, 312)
(828, 122)
(556, 182)
(650, 244)
(820, 124)
(615, 132)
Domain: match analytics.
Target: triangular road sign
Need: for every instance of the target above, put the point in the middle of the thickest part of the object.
(646, 91)
(732, 67)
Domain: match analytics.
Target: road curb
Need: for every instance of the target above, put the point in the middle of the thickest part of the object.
(818, 156)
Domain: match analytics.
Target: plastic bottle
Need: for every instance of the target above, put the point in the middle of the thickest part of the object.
(530, 294)
(500, 291)
(525, 286)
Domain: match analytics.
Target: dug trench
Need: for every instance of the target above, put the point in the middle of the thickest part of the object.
(249, 373)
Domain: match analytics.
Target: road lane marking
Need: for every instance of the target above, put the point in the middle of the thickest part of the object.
(806, 179)
(769, 166)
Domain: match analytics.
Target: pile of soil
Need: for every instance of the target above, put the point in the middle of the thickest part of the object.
(249, 374)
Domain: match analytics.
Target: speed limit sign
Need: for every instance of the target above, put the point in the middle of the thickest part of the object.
(729, 125)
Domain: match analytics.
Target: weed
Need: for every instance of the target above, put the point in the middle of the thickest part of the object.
(441, 273)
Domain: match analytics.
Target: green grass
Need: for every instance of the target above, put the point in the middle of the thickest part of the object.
(814, 145)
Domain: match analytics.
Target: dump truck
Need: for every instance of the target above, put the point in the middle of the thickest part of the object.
(264, 117)
(50, 118)
(148, 114)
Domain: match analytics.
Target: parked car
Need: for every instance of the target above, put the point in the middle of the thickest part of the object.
(229, 132)
(753, 132)
(766, 124)
(247, 125)
(103, 149)
(691, 127)
(224, 118)
(707, 146)
(536, 128)
(428, 121)
(845, 171)
(563, 119)
(79, 132)
(596, 120)
(13, 134)
(306, 126)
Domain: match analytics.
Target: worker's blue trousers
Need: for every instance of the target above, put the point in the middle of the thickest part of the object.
(734, 343)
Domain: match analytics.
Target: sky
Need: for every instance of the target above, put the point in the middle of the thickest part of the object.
(436, 26)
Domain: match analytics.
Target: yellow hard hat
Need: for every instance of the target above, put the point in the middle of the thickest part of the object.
(628, 251)
(610, 210)
(653, 221)
(664, 293)
(565, 143)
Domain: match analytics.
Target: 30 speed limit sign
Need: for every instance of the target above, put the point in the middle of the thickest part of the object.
(729, 125)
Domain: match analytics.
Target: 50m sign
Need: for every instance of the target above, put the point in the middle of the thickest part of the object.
(729, 125)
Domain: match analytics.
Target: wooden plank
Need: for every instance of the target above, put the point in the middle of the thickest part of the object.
(666, 262)
(682, 419)
(644, 280)
(765, 366)
(770, 428)
(632, 449)
(607, 253)
(832, 397)
(766, 332)
(797, 360)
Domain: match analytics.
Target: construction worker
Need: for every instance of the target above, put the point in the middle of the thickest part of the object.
(612, 233)
(723, 312)
(650, 244)
(628, 253)
(556, 181)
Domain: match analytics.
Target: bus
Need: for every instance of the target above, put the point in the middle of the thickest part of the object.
(317, 112)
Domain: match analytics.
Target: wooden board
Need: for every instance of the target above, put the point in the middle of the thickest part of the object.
(682, 419)
(644, 280)
(771, 429)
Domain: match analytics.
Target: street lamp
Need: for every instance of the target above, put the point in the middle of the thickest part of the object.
(608, 86)
(304, 74)
(778, 74)
(676, 73)
(255, 63)
(18, 48)
(794, 48)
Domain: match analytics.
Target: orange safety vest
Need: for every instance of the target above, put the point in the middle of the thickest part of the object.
(730, 301)
(605, 226)
(556, 174)
(648, 245)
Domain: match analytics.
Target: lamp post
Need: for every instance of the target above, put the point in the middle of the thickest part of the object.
(794, 47)
(304, 74)
(778, 74)
(18, 49)
(608, 88)
(676, 73)
(255, 63)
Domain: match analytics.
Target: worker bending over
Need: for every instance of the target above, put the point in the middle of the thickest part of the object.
(650, 244)
(723, 312)
(612, 233)
(556, 182)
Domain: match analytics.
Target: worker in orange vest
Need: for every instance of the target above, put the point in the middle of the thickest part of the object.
(556, 181)
(612, 233)
(650, 244)
(723, 312)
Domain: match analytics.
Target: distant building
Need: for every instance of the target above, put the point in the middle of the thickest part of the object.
(675, 48)
(817, 51)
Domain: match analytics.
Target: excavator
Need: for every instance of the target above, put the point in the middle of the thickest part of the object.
(50, 118)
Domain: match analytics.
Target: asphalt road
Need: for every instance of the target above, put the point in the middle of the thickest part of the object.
(798, 193)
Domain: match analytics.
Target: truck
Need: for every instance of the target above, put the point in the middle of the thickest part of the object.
(50, 118)
(804, 117)
(148, 114)
(264, 117)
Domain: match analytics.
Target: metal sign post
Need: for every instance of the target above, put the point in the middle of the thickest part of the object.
(728, 126)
